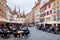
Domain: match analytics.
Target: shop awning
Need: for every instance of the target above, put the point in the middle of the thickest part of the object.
(51, 22)
(15, 22)
(58, 22)
(39, 23)
(3, 20)
(7, 21)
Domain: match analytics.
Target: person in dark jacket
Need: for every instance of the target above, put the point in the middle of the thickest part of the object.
(26, 30)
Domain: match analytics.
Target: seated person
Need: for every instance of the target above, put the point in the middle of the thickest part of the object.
(52, 29)
(5, 29)
(1, 29)
(26, 30)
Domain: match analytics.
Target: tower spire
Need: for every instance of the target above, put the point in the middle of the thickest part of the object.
(15, 9)
(19, 12)
(19, 9)
(23, 13)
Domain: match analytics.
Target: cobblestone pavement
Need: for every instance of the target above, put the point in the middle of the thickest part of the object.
(36, 35)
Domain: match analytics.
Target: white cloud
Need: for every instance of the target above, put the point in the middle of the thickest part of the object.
(23, 4)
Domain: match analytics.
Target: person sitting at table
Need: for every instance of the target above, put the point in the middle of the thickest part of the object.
(52, 29)
(13, 27)
(17, 27)
(1, 31)
(56, 30)
(5, 31)
(26, 30)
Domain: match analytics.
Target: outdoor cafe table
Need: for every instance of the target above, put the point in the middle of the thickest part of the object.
(5, 34)
(18, 33)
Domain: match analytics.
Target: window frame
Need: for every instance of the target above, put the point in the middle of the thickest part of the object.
(54, 18)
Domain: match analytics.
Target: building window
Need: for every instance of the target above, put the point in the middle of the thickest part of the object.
(50, 11)
(42, 20)
(54, 10)
(54, 18)
(54, 4)
(58, 17)
(41, 15)
(0, 3)
(49, 5)
(47, 12)
(44, 14)
(58, 10)
(58, 1)
(45, 7)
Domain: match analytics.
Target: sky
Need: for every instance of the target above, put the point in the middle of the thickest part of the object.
(25, 5)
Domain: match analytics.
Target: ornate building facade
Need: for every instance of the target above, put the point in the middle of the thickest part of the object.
(3, 9)
(36, 12)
